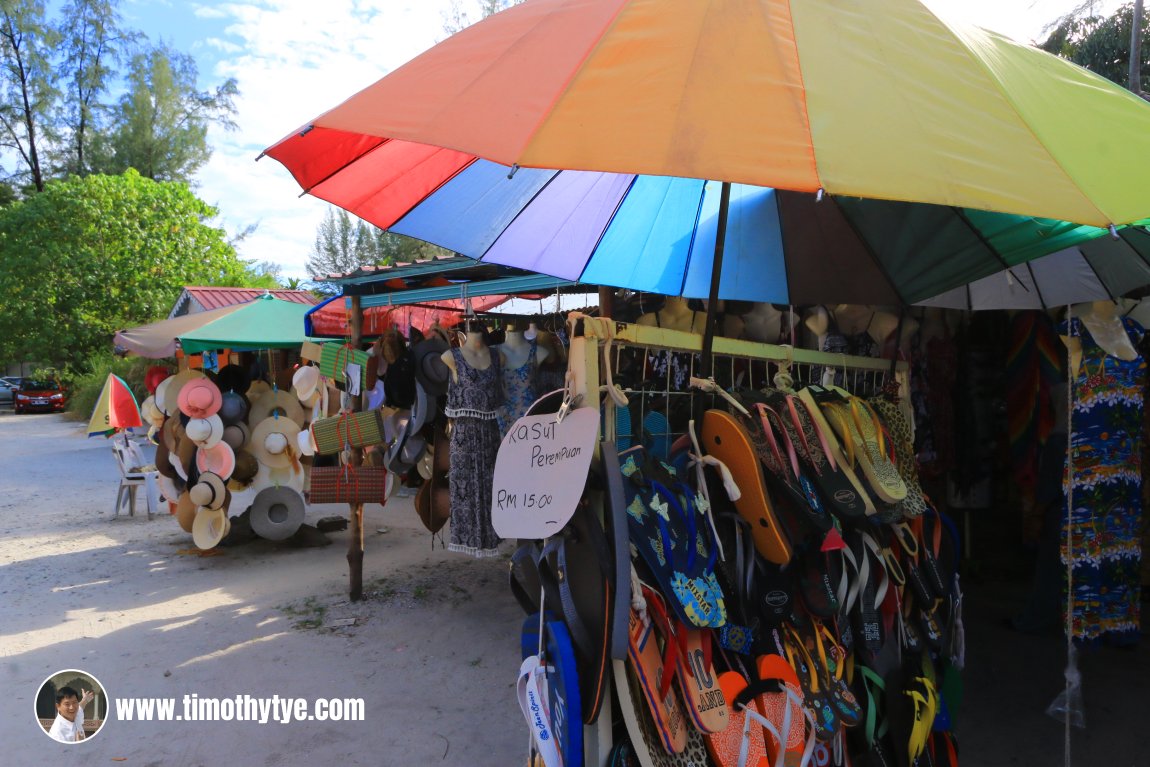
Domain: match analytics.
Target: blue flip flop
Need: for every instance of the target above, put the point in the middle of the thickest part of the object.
(658, 434)
(564, 703)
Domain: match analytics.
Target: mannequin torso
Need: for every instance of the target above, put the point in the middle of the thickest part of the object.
(675, 315)
(1102, 320)
(516, 349)
(764, 324)
(475, 353)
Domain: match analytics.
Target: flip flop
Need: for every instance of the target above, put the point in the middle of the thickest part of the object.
(650, 669)
(577, 561)
(843, 453)
(690, 652)
(562, 683)
(533, 702)
(874, 749)
(815, 697)
(664, 528)
(781, 701)
(832, 660)
(902, 439)
(658, 434)
(738, 745)
(615, 515)
(728, 440)
(523, 577)
(866, 430)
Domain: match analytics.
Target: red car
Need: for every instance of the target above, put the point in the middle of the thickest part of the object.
(45, 396)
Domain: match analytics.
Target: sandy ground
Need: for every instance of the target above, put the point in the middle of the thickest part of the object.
(433, 650)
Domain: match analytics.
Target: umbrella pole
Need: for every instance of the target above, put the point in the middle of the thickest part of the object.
(355, 544)
(708, 368)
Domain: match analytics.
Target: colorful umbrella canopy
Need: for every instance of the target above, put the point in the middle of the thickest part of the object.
(658, 234)
(1099, 270)
(263, 323)
(116, 409)
(880, 99)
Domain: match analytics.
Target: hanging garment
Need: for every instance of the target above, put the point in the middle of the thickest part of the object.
(472, 403)
(1105, 522)
(518, 391)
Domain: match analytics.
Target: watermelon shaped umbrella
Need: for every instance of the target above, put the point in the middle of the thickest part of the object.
(116, 409)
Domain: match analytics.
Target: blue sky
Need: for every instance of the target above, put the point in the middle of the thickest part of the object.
(294, 59)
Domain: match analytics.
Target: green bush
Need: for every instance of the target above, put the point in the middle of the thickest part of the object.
(84, 387)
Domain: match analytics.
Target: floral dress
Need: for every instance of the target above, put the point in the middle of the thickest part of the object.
(518, 391)
(1106, 485)
(472, 403)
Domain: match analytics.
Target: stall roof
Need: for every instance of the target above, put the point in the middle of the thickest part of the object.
(202, 299)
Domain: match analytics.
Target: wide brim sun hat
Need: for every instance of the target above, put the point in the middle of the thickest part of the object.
(277, 513)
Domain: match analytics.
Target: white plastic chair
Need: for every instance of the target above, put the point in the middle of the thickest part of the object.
(129, 459)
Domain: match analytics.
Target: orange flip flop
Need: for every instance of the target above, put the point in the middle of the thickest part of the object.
(726, 747)
(728, 440)
(647, 663)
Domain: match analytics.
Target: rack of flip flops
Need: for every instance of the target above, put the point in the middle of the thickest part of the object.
(771, 588)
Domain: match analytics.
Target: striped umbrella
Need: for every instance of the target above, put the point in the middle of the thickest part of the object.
(116, 409)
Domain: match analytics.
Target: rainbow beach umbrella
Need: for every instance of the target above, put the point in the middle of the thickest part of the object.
(116, 409)
(831, 100)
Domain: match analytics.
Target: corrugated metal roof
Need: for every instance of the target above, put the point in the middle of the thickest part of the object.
(208, 298)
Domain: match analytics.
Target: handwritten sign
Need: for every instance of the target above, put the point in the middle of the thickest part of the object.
(540, 472)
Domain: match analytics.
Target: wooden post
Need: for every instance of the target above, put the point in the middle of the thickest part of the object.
(606, 301)
(1136, 49)
(355, 544)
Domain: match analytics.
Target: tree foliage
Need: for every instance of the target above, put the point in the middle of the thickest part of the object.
(1100, 43)
(459, 14)
(59, 116)
(90, 256)
(343, 243)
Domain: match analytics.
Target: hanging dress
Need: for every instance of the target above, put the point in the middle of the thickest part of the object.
(518, 391)
(1105, 522)
(472, 403)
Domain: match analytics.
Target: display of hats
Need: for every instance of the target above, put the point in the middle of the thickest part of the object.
(245, 471)
(257, 389)
(404, 446)
(155, 375)
(233, 378)
(209, 527)
(199, 398)
(220, 459)
(151, 413)
(278, 402)
(272, 440)
(306, 442)
(184, 452)
(168, 488)
(163, 459)
(209, 491)
(237, 435)
(205, 432)
(233, 407)
(185, 511)
(277, 512)
(287, 476)
(423, 410)
(171, 387)
(430, 369)
(306, 382)
(161, 394)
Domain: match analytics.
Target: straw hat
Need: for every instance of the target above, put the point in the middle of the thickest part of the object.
(170, 388)
(271, 440)
(247, 467)
(233, 407)
(205, 432)
(209, 527)
(233, 378)
(155, 376)
(199, 398)
(277, 512)
(151, 413)
(168, 488)
(237, 435)
(219, 459)
(284, 403)
(185, 512)
(209, 492)
(305, 382)
(163, 460)
(288, 476)
(257, 389)
(306, 442)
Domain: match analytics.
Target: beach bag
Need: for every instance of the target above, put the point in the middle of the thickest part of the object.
(348, 484)
(349, 429)
(334, 359)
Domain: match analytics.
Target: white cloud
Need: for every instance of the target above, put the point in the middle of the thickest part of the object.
(294, 59)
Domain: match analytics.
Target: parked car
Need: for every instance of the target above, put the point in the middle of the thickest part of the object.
(46, 396)
(13, 380)
(7, 393)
